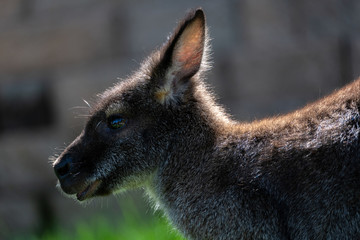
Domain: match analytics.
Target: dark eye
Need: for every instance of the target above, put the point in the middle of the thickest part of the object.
(116, 122)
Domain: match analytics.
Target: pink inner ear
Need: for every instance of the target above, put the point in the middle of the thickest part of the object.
(190, 47)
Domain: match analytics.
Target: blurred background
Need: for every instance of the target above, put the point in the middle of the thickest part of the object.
(269, 57)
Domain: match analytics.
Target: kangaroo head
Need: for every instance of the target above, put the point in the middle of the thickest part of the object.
(134, 123)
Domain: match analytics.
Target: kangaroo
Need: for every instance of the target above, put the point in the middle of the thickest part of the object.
(287, 177)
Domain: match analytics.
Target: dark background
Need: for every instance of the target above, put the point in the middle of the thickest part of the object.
(269, 57)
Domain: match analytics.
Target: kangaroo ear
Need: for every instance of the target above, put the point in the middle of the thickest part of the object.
(181, 57)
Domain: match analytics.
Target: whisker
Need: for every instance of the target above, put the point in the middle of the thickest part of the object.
(60, 148)
(52, 159)
(83, 116)
(87, 103)
(98, 124)
(75, 174)
(79, 107)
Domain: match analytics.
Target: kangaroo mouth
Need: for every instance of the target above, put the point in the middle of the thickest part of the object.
(88, 191)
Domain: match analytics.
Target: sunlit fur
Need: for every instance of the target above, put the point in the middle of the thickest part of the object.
(294, 176)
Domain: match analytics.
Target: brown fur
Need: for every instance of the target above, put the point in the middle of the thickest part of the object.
(289, 177)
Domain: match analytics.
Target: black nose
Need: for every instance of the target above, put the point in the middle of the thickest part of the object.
(62, 168)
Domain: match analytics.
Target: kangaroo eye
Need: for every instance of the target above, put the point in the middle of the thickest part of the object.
(116, 122)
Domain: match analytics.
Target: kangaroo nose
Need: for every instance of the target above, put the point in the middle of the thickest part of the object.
(62, 168)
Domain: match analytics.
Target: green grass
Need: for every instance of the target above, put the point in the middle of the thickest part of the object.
(102, 228)
(132, 224)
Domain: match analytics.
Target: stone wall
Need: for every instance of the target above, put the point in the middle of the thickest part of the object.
(269, 57)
